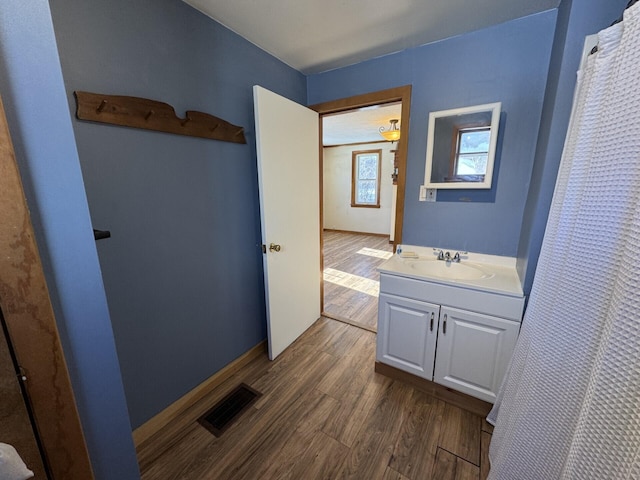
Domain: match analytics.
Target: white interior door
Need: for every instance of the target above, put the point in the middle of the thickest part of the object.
(288, 172)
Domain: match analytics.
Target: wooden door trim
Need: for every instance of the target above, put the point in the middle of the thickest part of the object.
(30, 322)
(397, 94)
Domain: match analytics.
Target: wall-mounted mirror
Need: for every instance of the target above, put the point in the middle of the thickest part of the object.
(461, 147)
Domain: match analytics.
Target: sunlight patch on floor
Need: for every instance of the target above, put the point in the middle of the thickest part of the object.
(354, 282)
(372, 252)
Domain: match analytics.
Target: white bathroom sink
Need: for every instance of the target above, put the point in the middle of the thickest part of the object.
(448, 270)
(477, 271)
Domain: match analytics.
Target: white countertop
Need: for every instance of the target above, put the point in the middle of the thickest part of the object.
(490, 273)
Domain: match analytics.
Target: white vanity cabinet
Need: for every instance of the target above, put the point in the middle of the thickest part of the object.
(460, 338)
(473, 352)
(407, 333)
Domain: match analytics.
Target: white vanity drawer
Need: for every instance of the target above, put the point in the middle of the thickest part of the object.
(499, 305)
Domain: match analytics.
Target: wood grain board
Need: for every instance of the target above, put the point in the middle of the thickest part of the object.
(154, 115)
(340, 250)
(324, 414)
(15, 425)
(31, 326)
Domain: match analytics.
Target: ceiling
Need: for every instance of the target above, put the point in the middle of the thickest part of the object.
(360, 125)
(313, 36)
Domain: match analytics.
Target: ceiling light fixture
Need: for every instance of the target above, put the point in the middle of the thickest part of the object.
(393, 133)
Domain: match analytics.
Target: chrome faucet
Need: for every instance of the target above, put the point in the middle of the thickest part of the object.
(446, 256)
(457, 258)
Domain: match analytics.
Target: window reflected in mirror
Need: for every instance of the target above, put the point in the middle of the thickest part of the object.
(469, 163)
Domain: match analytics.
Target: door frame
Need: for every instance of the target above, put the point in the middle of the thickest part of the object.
(397, 94)
(32, 330)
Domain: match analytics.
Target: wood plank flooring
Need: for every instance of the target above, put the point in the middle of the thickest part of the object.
(355, 295)
(324, 414)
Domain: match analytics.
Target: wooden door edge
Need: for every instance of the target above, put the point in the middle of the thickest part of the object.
(29, 318)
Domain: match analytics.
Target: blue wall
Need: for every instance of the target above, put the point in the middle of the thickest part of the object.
(506, 63)
(182, 271)
(36, 105)
(183, 274)
(576, 20)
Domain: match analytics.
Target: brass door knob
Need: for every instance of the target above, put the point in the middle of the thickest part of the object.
(274, 248)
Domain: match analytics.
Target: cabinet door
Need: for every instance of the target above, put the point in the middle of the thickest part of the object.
(407, 331)
(473, 352)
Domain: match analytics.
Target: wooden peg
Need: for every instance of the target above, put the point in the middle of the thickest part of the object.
(149, 113)
(101, 106)
(185, 121)
(215, 126)
(240, 130)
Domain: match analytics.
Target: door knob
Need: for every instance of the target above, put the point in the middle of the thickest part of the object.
(274, 248)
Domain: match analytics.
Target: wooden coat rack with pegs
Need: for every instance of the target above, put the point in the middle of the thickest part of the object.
(153, 115)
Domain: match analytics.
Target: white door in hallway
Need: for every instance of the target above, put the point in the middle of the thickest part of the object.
(287, 143)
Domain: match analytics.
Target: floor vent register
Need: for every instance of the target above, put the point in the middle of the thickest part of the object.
(228, 410)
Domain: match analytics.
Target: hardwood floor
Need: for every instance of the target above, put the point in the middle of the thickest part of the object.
(351, 282)
(324, 414)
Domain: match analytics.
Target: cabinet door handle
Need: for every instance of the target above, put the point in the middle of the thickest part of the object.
(444, 325)
(431, 323)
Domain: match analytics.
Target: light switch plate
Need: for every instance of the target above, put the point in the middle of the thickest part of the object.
(430, 195)
(427, 194)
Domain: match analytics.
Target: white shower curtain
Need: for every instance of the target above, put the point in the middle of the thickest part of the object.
(570, 405)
